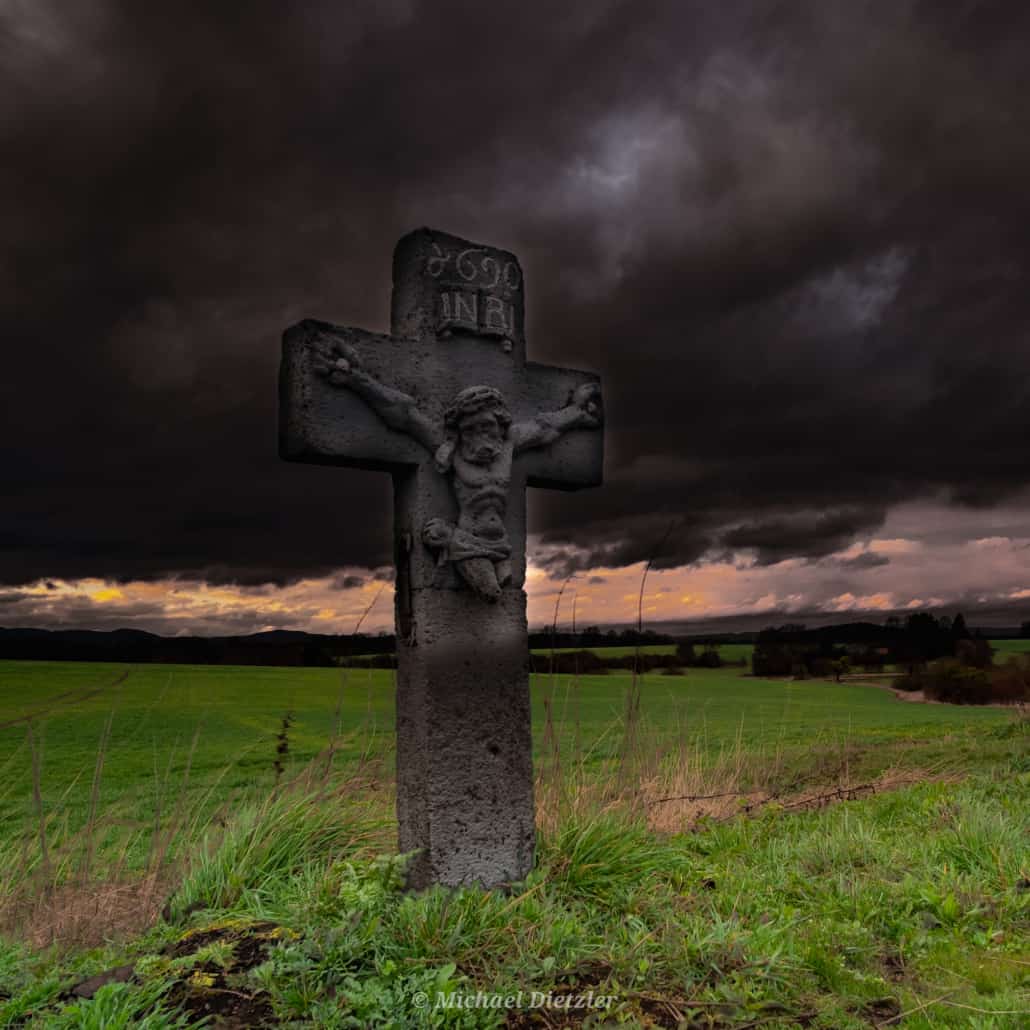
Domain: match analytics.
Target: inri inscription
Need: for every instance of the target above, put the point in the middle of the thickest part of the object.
(476, 291)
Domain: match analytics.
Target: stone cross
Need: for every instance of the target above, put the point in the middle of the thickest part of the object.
(448, 404)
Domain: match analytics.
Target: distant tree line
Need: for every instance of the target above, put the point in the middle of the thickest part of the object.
(594, 636)
(561, 642)
(969, 675)
(279, 647)
(587, 662)
(939, 656)
(794, 650)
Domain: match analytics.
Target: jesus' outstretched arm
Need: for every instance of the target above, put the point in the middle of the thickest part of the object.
(340, 363)
(582, 412)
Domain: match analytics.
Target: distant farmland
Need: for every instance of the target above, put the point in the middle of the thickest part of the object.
(221, 722)
(1004, 647)
(841, 852)
(728, 652)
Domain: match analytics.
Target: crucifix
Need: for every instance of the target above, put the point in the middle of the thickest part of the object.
(448, 404)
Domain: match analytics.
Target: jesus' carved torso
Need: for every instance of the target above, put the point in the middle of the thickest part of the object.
(482, 494)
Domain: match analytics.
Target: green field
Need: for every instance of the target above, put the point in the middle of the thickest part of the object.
(733, 652)
(736, 652)
(222, 721)
(728, 652)
(1005, 647)
(904, 902)
(619, 651)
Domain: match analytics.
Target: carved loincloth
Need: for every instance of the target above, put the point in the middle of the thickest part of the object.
(464, 545)
(456, 544)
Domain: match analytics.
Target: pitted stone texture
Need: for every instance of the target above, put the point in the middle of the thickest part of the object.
(465, 778)
(464, 758)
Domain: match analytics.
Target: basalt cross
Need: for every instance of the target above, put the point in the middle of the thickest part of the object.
(448, 404)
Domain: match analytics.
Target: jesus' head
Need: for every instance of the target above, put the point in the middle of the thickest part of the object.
(478, 420)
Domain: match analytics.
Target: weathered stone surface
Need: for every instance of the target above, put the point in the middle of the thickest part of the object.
(464, 748)
(448, 405)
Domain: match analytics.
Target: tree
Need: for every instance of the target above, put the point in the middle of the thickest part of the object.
(925, 638)
(685, 653)
(841, 667)
(710, 658)
(771, 658)
(974, 653)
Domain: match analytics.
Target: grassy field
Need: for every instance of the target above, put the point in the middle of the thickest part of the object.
(612, 652)
(746, 853)
(1004, 647)
(733, 652)
(222, 721)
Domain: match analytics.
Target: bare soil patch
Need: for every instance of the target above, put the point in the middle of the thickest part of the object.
(916, 696)
(219, 993)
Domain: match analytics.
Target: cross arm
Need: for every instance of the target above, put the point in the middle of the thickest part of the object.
(560, 438)
(582, 412)
(341, 363)
(321, 421)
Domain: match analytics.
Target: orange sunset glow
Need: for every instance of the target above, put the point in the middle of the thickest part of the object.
(892, 572)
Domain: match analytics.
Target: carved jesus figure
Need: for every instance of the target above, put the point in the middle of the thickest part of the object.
(474, 446)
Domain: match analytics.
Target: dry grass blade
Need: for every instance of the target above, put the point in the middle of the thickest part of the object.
(94, 798)
(631, 748)
(337, 729)
(37, 802)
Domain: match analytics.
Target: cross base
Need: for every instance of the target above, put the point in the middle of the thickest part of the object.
(464, 747)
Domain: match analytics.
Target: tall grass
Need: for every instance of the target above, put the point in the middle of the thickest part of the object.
(207, 846)
(709, 883)
(113, 875)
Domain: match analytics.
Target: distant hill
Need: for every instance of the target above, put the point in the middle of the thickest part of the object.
(277, 647)
(294, 647)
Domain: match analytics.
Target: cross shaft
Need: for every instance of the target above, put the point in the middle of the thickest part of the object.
(448, 405)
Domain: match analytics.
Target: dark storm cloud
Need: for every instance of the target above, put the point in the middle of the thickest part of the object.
(792, 238)
(865, 560)
(806, 535)
(347, 582)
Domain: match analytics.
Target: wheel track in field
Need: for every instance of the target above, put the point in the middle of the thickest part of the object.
(70, 697)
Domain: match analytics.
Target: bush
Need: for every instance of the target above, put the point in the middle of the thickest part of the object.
(568, 663)
(709, 658)
(772, 659)
(910, 682)
(974, 653)
(949, 680)
(685, 653)
(1010, 683)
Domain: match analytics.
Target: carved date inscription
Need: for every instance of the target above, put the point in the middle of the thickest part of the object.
(474, 267)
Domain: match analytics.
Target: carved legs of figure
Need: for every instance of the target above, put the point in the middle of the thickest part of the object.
(479, 573)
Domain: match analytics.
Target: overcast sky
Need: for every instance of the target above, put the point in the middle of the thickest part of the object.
(793, 238)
